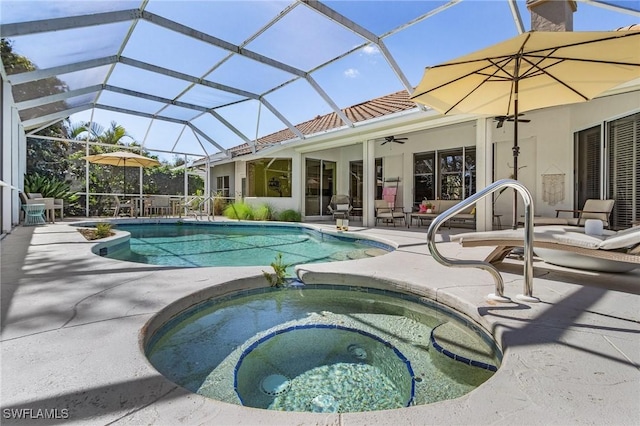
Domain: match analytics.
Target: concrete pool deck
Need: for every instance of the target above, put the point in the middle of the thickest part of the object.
(71, 325)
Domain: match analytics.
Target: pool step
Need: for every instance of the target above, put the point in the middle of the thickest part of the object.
(460, 345)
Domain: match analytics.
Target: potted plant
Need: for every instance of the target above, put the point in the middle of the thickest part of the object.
(427, 207)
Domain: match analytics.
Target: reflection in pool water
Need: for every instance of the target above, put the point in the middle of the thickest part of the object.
(305, 349)
(197, 244)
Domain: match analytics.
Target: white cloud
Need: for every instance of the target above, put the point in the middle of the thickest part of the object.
(352, 73)
(370, 49)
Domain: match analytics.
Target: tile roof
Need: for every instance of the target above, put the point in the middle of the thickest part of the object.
(384, 105)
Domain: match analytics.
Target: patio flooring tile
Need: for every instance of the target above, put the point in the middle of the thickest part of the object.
(71, 325)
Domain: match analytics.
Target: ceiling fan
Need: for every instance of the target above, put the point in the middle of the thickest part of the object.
(393, 139)
(500, 119)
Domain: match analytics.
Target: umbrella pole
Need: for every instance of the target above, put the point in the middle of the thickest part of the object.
(516, 148)
(124, 178)
(516, 151)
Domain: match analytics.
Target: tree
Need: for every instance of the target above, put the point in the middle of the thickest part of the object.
(45, 158)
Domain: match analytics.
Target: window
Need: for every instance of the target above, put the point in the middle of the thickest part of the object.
(587, 165)
(624, 170)
(222, 185)
(454, 177)
(423, 177)
(356, 177)
(269, 177)
(617, 171)
(379, 178)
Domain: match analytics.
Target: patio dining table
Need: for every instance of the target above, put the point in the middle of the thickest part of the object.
(143, 205)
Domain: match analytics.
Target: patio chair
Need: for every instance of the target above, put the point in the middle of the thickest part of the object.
(33, 210)
(592, 209)
(49, 205)
(567, 246)
(388, 214)
(122, 207)
(340, 206)
(58, 204)
(160, 205)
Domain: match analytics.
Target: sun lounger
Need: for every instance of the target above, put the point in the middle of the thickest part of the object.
(565, 246)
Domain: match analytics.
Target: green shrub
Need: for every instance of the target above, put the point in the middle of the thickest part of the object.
(290, 216)
(103, 229)
(277, 279)
(264, 212)
(49, 187)
(219, 204)
(240, 211)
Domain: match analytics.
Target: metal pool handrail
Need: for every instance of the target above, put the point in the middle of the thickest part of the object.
(200, 205)
(527, 295)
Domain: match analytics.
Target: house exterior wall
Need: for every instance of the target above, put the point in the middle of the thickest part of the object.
(398, 158)
(547, 146)
(228, 169)
(13, 160)
(278, 203)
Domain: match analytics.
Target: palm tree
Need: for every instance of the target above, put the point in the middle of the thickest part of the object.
(94, 132)
(102, 179)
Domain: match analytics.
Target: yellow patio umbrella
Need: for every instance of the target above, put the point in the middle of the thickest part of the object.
(530, 71)
(124, 159)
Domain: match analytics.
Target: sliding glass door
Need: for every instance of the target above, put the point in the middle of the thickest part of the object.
(356, 187)
(320, 177)
(588, 168)
(610, 170)
(624, 170)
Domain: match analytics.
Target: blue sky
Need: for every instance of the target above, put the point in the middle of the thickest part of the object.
(301, 38)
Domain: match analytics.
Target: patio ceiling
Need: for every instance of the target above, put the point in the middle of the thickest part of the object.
(204, 76)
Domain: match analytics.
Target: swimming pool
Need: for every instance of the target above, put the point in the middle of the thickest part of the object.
(198, 244)
(322, 348)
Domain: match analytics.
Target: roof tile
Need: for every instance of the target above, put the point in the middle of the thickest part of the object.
(384, 105)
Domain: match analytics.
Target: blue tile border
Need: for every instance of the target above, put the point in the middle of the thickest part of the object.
(459, 358)
(263, 339)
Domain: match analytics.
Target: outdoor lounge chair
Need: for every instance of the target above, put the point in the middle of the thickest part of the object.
(340, 206)
(565, 246)
(592, 209)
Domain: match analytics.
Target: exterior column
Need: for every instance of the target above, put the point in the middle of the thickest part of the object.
(484, 174)
(552, 15)
(369, 172)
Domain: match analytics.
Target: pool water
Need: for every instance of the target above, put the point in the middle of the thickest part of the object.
(199, 245)
(323, 348)
(296, 368)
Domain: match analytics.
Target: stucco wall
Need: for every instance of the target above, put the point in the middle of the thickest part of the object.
(548, 146)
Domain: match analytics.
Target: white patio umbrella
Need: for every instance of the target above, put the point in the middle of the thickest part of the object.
(530, 71)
